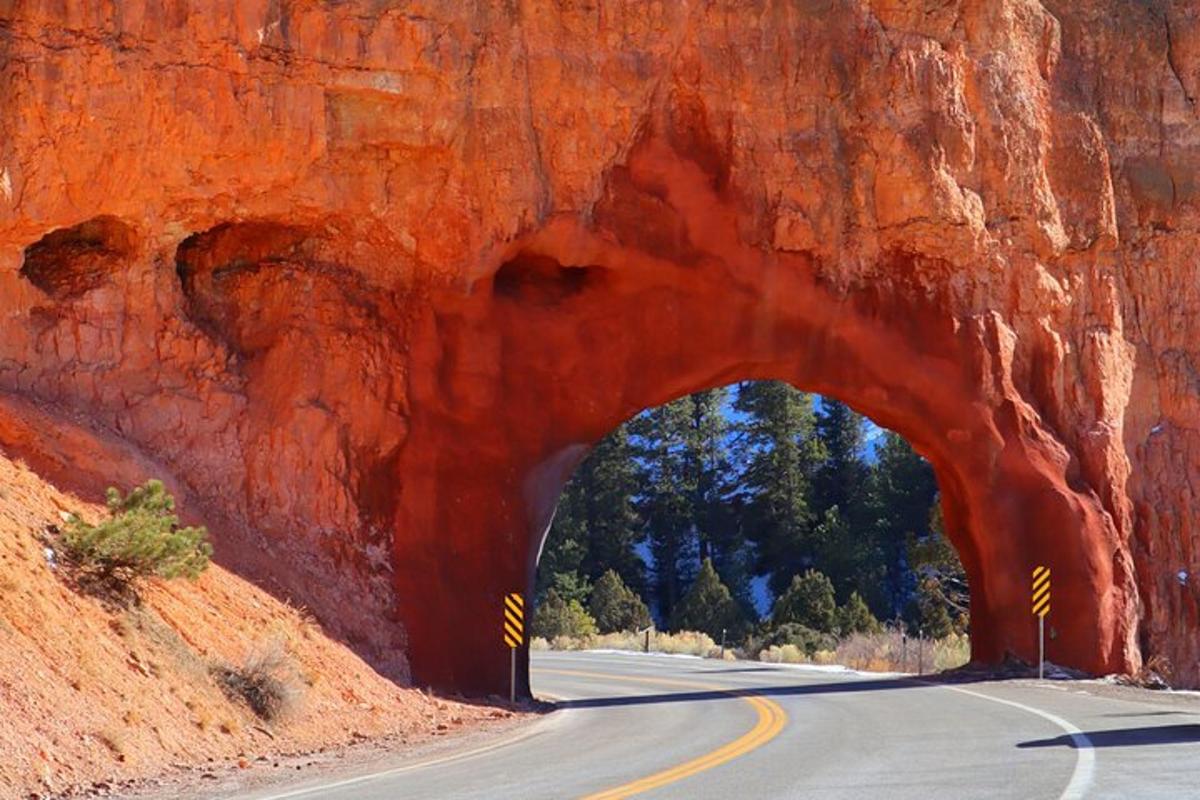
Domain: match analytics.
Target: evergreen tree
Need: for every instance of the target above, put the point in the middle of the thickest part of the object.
(903, 492)
(781, 454)
(616, 607)
(932, 617)
(555, 616)
(711, 478)
(842, 474)
(941, 580)
(608, 481)
(809, 602)
(847, 546)
(572, 586)
(709, 607)
(140, 538)
(565, 545)
(596, 527)
(855, 617)
(666, 497)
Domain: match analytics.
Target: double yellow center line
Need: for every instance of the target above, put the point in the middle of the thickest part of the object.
(771, 720)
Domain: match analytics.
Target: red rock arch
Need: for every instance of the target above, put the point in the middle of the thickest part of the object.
(477, 238)
(579, 327)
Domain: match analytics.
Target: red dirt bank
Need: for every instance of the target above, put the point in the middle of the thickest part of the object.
(87, 695)
(366, 279)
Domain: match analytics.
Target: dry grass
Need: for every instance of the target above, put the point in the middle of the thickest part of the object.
(890, 652)
(880, 652)
(266, 681)
(682, 643)
(115, 741)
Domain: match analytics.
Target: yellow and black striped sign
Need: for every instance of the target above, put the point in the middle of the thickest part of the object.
(514, 620)
(1041, 591)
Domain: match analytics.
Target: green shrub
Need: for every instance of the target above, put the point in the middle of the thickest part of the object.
(616, 607)
(802, 637)
(709, 607)
(809, 602)
(933, 615)
(856, 617)
(141, 537)
(555, 617)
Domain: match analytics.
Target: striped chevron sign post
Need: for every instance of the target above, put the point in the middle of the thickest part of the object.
(1040, 598)
(514, 635)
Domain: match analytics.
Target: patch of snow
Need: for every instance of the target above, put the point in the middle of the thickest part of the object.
(835, 669)
(825, 669)
(653, 653)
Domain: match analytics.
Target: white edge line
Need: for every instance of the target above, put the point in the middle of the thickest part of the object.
(1085, 754)
(533, 730)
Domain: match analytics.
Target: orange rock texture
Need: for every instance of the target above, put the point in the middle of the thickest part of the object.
(367, 278)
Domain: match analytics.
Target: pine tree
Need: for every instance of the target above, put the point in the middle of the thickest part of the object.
(903, 493)
(661, 436)
(709, 607)
(808, 601)
(555, 616)
(855, 617)
(941, 580)
(781, 454)
(566, 543)
(596, 527)
(842, 474)
(710, 476)
(931, 615)
(846, 543)
(141, 537)
(616, 607)
(608, 479)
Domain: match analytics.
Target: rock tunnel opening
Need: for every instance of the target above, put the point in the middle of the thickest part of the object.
(509, 396)
(758, 520)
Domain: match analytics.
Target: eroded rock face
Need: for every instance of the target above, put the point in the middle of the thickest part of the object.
(367, 279)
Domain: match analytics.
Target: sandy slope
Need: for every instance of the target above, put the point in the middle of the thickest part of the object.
(88, 695)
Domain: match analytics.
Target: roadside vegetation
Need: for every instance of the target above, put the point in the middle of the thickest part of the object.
(140, 538)
(781, 525)
(885, 651)
(267, 681)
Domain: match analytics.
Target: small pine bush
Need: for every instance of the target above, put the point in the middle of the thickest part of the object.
(140, 538)
(801, 637)
(616, 607)
(809, 602)
(709, 607)
(555, 617)
(856, 617)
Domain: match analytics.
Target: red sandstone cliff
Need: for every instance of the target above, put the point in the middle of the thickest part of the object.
(366, 278)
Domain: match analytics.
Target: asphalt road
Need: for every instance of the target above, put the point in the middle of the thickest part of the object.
(667, 727)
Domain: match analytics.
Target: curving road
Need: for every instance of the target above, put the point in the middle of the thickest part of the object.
(666, 727)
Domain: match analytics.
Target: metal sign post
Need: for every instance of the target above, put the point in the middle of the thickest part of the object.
(514, 634)
(1040, 600)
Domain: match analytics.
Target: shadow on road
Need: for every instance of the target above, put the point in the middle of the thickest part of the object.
(1126, 737)
(791, 690)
